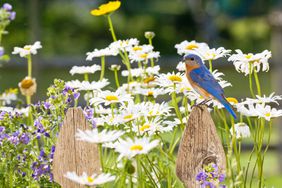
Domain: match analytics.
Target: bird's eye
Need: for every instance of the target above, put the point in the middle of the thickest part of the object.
(192, 59)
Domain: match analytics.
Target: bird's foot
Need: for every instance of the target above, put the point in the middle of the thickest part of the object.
(201, 103)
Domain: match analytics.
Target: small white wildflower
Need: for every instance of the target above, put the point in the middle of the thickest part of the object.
(241, 130)
(27, 49)
(93, 179)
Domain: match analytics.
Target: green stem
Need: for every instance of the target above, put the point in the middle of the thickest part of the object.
(86, 78)
(257, 83)
(250, 81)
(102, 67)
(139, 172)
(116, 78)
(29, 65)
(210, 65)
(111, 28)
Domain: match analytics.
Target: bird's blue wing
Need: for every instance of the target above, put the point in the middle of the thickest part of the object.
(203, 78)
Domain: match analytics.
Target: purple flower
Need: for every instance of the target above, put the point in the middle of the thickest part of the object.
(67, 90)
(88, 113)
(201, 176)
(207, 184)
(2, 51)
(215, 168)
(12, 15)
(24, 138)
(7, 6)
(46, 105)
(76, 95)
(14, 139)
(221, 177)
(2, 114)
(2, 129)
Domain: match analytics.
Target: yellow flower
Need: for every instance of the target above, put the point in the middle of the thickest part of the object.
(106, 8)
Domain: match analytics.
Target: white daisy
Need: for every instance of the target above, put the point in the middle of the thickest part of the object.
(8, 97)
(94, 179)
(27, 49)
(108, 97)
(153, 70)
(181, 66)
(85, 69)
(135, 72)
(129, 148)
(213, 54)
(100, 53)
(151, 92)
(142, 53)
(156, 109)
(153, 126)
(242, 130)
(170, 79)
(186, 47)
(93, 136)
(130, 112)
(88, 86)
(243, 62)
(260, 110)
(266, 112)
(272, 98)
(218, 76)
(123, 45)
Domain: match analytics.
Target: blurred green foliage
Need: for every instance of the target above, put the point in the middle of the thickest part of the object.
(67, 28)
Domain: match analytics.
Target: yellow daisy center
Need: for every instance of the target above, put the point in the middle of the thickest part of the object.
(191, 46)
(267, 114)
(175, 78)
(129, 116)
(249, 56)
(149, 79)
(152, 113)
(27, 48)
(136, 147)
(106, 8)
(231, 99)
(150, 93)
(143, 56)
(144, 127)
(136, 48)
(111, 98)
(90, 180)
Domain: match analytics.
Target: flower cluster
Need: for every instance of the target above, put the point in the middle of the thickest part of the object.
(210, 176)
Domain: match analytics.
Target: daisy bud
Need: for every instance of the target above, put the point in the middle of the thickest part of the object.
(28, 86)
(115, 67)
(149, 34)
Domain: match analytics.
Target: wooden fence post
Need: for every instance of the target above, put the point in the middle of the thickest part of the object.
(200, 145)
(71, 154)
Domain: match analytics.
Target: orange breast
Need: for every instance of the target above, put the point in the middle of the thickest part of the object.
(197, 88)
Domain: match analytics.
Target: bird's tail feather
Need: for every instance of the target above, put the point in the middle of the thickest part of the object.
(227, 105)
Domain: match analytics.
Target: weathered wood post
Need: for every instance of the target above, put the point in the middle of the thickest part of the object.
(71, 154)
(200, 145)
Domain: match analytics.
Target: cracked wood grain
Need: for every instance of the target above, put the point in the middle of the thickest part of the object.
(200, 145)
(71, 154)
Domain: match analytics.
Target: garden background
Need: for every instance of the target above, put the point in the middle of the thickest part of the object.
(67, 30)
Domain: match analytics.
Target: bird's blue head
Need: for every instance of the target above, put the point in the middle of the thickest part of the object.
(193, 60)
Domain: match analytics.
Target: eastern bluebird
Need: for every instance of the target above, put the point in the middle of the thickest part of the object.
(203, 81)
